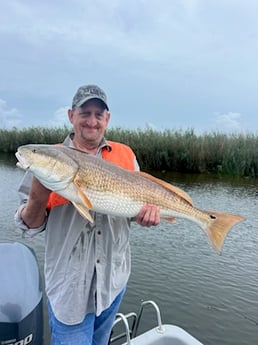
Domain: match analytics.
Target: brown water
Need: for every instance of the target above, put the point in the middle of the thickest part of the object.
(214, 297)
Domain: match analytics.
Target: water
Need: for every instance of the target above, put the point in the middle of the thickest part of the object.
(214, 297)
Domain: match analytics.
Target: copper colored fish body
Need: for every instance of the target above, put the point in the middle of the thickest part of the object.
(91, 183)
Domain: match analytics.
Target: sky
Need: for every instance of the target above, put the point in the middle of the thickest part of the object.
(166, 64)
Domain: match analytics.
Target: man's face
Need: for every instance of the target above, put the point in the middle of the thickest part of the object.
(89, 121)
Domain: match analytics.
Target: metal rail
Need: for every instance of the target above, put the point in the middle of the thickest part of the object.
(160, 328)
(128, 329)
(131, 332)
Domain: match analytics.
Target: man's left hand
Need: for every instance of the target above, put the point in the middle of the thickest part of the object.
(148, 216)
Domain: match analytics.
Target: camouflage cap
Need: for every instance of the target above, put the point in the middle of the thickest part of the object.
(87, 92)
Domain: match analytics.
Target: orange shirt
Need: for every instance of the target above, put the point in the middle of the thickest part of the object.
(117, 153)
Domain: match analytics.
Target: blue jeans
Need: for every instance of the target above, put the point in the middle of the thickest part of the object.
(93, 330)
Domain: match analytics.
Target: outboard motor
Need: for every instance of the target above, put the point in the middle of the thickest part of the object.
(21, 298)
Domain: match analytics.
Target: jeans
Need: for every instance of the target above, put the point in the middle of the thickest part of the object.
(93, 330)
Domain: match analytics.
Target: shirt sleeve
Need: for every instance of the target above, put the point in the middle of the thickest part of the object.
(23, 192)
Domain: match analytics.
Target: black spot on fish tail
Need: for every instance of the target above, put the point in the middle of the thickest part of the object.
(219, 226)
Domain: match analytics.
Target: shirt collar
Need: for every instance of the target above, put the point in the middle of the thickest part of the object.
(103, 145)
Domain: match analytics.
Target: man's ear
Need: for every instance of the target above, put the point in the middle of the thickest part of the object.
(70, 115)
(108, 115)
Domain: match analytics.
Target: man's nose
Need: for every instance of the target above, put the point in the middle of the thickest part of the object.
(91, 120)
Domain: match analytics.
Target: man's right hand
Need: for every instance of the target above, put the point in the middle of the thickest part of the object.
(34, 213)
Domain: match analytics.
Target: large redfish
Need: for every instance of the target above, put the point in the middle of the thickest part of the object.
(91, 183)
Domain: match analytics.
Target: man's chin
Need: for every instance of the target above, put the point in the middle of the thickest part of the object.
(92, 135)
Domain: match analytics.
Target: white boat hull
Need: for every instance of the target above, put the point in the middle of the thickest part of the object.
(171, 335)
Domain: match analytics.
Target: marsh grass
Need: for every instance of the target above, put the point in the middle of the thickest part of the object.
(169, 150)
(10, 140)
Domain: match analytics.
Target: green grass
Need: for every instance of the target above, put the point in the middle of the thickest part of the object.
(169, 150)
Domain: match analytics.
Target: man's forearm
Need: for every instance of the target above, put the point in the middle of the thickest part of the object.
(34, 213)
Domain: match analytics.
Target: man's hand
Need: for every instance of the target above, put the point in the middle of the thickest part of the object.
(148, 216)
(34, 213)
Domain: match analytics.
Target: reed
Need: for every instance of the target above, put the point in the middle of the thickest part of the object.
(13, 138)
(169, 150)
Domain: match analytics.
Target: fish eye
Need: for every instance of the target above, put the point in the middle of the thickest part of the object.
(212, 216)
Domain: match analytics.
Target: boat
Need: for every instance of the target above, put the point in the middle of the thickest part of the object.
(21, 307)
(21, 297)
(162, 334)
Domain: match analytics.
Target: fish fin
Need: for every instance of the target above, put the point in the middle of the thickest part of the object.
(168, 219)
(168, 186)
(83, 211)
(82, 195)
(84, 208)
(219, 226)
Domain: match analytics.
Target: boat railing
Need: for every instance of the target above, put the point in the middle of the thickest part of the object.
(160, 328)
(131, 323)
(128, 321)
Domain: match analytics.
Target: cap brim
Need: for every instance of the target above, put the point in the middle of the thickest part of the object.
(86, 99)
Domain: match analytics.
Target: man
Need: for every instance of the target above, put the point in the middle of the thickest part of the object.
(86, 265)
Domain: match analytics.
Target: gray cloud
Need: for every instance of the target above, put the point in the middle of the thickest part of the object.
(170, 60)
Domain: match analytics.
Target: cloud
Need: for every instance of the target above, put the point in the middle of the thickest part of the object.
(9, 117)
(60, 117)
(151, 126)
(198, 50)
(120, 31)
(228, 122)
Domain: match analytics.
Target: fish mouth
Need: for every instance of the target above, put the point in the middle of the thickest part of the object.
(22, 163)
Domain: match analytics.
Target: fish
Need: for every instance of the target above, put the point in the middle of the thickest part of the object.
(91, 183)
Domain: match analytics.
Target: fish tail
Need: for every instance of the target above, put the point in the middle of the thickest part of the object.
(219, 226)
